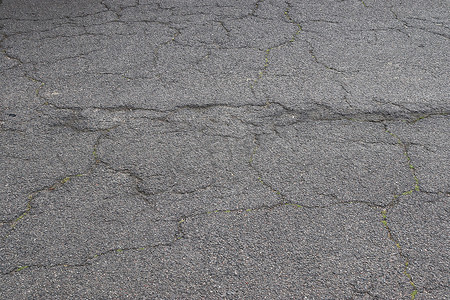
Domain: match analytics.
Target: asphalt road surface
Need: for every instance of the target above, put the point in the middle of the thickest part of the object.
(224, 149)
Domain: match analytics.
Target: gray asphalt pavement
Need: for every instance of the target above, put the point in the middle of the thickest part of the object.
(224, 149)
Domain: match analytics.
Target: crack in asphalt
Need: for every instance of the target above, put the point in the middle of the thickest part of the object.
(323, 64)
(407, 25)
(255, 8)
(321, 112)
(409, 161)
(395, 240)
(52, 187)
(171, 40)
(179, 234)
(267, 51)
(395, 200)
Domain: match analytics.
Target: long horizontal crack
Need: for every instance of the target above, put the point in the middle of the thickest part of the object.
(321, 112)
(179, 234)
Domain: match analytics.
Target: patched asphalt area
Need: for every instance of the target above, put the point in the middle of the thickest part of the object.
(222, 149)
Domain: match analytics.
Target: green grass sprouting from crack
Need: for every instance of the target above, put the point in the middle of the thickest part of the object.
(299, 27)
(24, 214)
(55, 186)
(95, 153)
(21, 268)
(408, 159)
(277, 192)
(384, 221)
(263, 70)
(268, 50)
(422, 117)
(178, 235)
(31, 197)
(250, 162)
(38, 89)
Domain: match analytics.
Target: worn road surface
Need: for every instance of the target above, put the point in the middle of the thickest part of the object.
(224, 149)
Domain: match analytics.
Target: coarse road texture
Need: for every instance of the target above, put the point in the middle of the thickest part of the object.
(224, 149)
